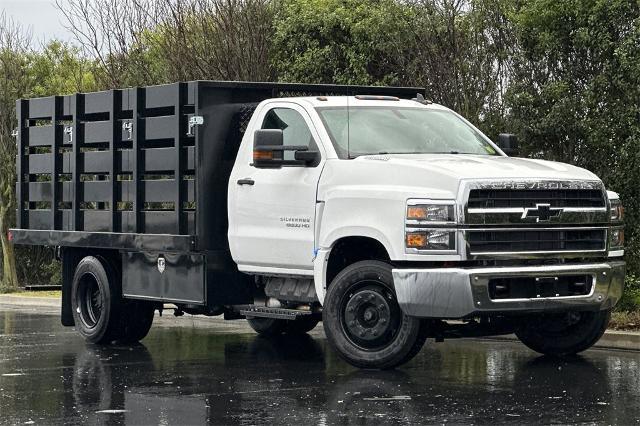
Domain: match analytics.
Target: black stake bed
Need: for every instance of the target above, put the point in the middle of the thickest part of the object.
(141, 174)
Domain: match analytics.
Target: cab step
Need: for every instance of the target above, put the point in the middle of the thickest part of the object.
(278, 313)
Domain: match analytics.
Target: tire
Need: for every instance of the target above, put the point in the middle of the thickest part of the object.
(363, 321)
(301, 325)
(267, 326)
(136, 321)
(96, 301)
(564, 334)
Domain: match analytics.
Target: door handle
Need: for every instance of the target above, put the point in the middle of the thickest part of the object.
(246, 181)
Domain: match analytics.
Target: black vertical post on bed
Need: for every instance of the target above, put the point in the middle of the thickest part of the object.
(138, 106)
(115, 134)
(22, 165)
(180, 92)
(76, 143)
(56, 142)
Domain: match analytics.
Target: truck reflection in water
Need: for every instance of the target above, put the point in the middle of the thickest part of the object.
(288, 379)
(197, 375)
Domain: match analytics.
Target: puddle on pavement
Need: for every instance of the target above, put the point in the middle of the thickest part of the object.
(193, 375)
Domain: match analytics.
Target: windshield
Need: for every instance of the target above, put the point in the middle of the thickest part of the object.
(400, 130)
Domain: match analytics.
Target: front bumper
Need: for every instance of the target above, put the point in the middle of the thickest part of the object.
(460, 292)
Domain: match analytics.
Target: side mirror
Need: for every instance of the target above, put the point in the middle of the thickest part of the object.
(267, 148)
(508, 143)
(309, 158)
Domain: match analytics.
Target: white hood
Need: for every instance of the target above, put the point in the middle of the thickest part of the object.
(486, 166)
(437, 175)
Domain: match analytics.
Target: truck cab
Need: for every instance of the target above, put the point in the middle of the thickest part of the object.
(389, 218)
(464, 230)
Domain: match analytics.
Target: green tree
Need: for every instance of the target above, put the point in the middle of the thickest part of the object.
(342, 41)
(161, 41)
(56, 69)
(459, 50)
(14, 43)
(462, 53)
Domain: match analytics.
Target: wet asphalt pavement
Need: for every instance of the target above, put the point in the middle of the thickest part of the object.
(202, 371)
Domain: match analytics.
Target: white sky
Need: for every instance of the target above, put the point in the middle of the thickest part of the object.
(41, 17)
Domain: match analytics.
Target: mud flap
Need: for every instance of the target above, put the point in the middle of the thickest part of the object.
(69, 262)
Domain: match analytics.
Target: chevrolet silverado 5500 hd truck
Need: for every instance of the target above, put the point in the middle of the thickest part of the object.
(388, 217)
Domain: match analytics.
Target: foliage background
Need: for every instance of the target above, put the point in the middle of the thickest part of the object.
(563, 75)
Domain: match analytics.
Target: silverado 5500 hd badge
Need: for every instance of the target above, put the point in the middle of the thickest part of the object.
(296, 222)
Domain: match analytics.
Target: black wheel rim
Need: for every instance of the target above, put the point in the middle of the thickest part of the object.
(369, 315)
(89, 301)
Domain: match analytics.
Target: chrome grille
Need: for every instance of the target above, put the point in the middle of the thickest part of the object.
(534, 218)
(534, 240)
(535, 202)
(509, 198)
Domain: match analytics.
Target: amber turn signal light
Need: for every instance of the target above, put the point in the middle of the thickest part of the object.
(262, 155)
(416, 213)
(416, 240)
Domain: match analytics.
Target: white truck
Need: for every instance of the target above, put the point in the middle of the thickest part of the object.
(388, 217)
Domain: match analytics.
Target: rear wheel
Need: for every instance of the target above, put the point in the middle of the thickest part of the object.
(565, 333)
(273, 326)
(136, 322)
(95, 301)
(267, 326)
(363, 321)
(100, 313)
(301, 325)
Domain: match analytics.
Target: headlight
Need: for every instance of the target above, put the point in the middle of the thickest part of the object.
(617, 210)
(431, 239)
(423, 216)
(430, 212)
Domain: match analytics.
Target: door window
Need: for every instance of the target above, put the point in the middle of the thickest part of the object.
(294, 129)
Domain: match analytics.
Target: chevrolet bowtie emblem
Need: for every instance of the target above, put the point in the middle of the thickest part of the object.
(542, 212)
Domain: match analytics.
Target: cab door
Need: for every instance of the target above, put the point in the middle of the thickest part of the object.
(272, 211)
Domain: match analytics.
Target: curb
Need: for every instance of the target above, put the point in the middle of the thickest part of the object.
(612, 339)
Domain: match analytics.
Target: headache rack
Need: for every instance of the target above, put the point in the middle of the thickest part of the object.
(139, 168)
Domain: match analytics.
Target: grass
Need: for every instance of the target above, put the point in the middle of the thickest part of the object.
(628, 321)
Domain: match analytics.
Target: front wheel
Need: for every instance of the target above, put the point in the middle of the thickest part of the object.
(565, 333)
(363, 321)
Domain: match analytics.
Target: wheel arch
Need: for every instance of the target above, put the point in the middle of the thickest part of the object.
(345, 251)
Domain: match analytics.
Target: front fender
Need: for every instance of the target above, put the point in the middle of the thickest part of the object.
(322, 254)
(374, 216)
